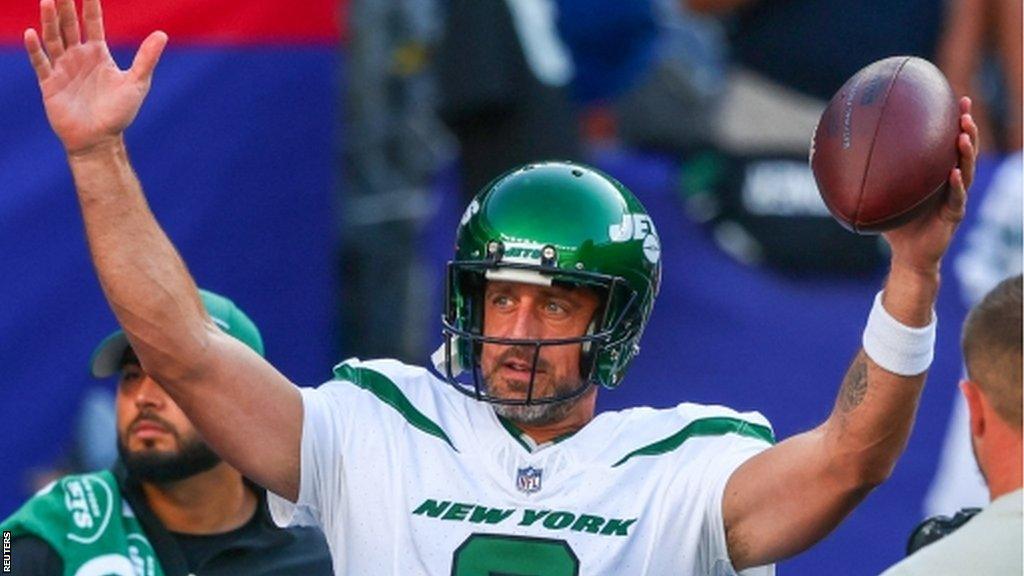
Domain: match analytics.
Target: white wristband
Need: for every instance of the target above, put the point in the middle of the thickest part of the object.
(896, 347)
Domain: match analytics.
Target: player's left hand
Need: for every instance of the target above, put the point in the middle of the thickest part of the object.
(920, 244)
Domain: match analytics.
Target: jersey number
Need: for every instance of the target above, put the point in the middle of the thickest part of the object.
(499, 555)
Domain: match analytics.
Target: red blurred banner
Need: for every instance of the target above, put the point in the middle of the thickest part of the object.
(224, 22)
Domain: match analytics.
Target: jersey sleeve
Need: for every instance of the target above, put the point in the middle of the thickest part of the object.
(321, 458)
(346, 423)
(732, 451)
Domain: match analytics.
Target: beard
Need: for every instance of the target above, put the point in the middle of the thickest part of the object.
(159, 467)
(536, 414)
(531, 414)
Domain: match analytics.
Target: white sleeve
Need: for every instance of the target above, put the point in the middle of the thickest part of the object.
(320, 464)
(713, 548)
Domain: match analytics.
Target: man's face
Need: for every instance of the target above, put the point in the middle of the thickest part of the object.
(526, 311)
(156, 441)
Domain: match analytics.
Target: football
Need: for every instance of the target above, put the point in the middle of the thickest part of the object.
(885, 144)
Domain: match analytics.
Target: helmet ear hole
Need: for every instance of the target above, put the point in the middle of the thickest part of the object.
(591, 349)
(466, 312)
(473, 291)
(589, 344)
(476, 290)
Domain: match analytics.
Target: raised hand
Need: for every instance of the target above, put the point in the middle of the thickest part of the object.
(89, 101)
(920, 244)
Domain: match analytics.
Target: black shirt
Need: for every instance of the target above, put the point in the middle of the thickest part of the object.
(200, 549)
(257, 548)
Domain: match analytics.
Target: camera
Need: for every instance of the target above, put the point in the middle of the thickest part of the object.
(938, 527)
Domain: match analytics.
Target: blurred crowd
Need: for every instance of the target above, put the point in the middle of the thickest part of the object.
(729, 90)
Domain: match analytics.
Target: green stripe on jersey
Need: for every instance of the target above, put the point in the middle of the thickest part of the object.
(384, 389)
(703, 427)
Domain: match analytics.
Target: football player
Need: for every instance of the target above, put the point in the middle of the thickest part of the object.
(501, 465)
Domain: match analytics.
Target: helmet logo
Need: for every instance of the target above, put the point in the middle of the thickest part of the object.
(637, 227)
(471, 210)
(528, 253)
(652, 248)
(524, 253)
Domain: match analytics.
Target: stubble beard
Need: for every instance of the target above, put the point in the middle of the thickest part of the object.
(538, 414)
(531, 414)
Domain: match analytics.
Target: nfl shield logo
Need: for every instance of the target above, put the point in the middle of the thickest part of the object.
(528, 479)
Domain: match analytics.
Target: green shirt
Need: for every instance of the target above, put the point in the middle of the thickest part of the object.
(85, 520)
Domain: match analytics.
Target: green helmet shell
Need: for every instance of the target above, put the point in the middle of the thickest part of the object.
(566, 223)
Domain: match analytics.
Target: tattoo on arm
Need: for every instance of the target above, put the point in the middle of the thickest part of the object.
(855, 385)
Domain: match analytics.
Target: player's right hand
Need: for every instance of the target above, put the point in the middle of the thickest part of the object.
(920, 244)
(89, 101)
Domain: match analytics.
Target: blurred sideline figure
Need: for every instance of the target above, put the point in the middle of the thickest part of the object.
(753, 187)
(93, 443)
(990, 543)
(392, 144)
(980, 53)
(992, 250)
(504, 72)
(170, 506)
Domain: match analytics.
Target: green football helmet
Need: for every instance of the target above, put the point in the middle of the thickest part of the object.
(552, 223)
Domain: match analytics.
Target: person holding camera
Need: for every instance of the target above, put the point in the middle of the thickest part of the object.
(991, 541)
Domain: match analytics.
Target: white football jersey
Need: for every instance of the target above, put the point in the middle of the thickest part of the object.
(407, 476)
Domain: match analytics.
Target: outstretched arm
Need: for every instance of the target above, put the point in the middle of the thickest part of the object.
(245, 409)
(785, 499)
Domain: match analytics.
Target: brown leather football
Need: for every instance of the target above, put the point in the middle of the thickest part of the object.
(884, 147)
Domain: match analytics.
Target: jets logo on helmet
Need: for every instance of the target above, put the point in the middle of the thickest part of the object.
(553, 222)
(637, 227)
